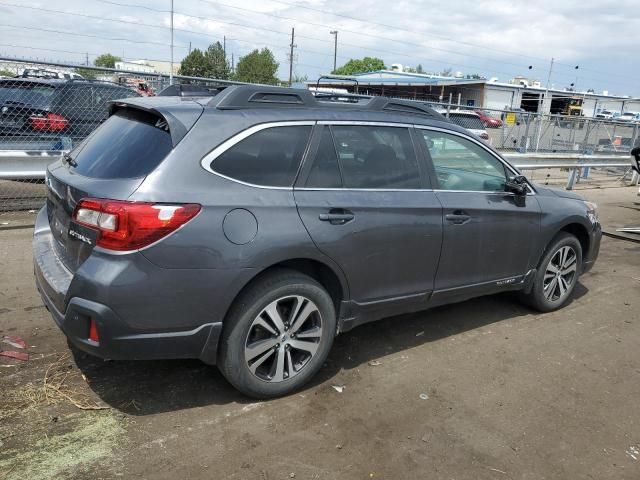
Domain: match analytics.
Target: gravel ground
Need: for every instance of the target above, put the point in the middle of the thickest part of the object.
(485, 389)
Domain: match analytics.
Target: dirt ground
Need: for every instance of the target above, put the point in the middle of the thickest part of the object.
(485, 389)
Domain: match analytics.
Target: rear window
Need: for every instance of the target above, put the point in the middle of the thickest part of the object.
(470, 122)
(12, 92)
(129, 144)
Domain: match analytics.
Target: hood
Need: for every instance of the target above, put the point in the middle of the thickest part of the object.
(544, 190)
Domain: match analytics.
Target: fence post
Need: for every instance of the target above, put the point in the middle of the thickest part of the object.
(525, 139)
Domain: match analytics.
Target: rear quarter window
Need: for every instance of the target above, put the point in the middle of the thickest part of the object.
(129, 144)
(270, 157)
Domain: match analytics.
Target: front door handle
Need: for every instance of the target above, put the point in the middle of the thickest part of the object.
(457, 218)
(337, 216)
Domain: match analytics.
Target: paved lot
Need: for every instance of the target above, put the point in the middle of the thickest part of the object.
(485, 389)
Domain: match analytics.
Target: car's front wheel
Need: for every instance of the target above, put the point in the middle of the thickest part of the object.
(277, 335)
(557, 274)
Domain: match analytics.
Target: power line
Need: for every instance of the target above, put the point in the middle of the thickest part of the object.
(139, 42)
(395, 53)
(442, 37)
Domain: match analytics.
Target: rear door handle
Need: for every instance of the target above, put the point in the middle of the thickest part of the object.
(337, 216)
(457, 217)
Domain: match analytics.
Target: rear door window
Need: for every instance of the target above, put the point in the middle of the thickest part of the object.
(325, 172)
(129, 144)
(376, 157)
(269, 157)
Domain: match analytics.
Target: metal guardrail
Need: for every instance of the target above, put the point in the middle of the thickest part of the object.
(18, 164)
(26, 164)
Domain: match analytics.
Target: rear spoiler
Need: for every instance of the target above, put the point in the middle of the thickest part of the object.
(180, 116)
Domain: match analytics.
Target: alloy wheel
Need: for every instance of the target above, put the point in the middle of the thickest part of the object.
(560, 274)
(283, 338)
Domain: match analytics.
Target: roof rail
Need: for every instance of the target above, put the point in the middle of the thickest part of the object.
(340, 97)
(259, 96)
(188, 90)
(401, 106)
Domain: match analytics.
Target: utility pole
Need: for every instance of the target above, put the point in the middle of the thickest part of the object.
(224, 46)
(541, 104)
(233, 67)
(189, 48)
(171, 65)
(86, 61)
(291, 56)
(335, 47)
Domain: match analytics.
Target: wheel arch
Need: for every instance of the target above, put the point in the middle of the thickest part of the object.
(331, 278)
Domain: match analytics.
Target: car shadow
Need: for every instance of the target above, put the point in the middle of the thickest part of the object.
(150, 387)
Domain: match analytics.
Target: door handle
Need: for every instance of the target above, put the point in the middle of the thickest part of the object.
(457, 217)
(337, 216)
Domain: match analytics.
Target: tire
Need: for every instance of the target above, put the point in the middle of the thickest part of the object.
(552, 290)
(264, 351)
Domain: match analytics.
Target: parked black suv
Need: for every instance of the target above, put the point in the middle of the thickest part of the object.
(53, 114)
(249, 228)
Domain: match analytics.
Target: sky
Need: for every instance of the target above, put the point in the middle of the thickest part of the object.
(495, 38)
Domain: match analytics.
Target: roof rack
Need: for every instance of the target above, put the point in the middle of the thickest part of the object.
(401, 106)
(188, 90)
(256, 96)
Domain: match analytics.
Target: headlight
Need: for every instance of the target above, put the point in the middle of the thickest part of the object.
(592, 212)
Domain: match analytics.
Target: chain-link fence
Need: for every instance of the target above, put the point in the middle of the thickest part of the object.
(47, 109)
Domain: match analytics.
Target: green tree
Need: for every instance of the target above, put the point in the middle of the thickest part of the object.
(106, 60)
(86, 73)
(367, 64)
(7, 73)
(447, 72)
(419, 68)
(194, 64)
(474, 76)
(216, 62)
(258, 66)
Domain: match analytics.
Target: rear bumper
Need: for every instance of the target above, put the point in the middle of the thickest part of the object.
(119, 338)
(118, 342)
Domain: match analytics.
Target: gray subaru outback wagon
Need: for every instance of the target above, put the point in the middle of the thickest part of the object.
(248, 228)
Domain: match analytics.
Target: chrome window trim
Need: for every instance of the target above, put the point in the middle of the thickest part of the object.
(485, 148)
(357, 123)
(209, 158)
(363, 189)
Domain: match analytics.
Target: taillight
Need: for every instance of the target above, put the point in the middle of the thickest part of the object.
(484, 136)
(51, 122)
(126, 226)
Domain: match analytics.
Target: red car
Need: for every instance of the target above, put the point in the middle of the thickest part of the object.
(488, 121)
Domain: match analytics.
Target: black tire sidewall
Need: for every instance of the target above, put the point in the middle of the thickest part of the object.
(537, 294)
(231, 358)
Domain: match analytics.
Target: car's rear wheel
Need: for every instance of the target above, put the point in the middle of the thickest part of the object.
(557, 274)
(277, 335)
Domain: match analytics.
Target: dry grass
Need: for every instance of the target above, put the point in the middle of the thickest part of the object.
(61, 383)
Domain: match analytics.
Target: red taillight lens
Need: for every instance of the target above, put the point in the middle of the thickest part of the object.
(126, 226)
(484, 136)
(51, 122)
(93, 331)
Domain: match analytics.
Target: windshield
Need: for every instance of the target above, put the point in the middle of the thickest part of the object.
(25, 93)
(129, 144)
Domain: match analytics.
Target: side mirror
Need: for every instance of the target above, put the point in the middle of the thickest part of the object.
(516, 184)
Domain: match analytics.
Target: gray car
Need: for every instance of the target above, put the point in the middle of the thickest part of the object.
(249, 228)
